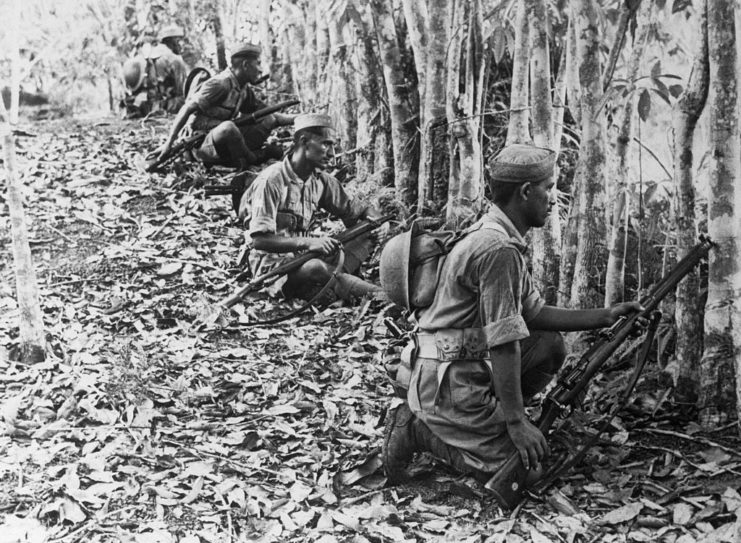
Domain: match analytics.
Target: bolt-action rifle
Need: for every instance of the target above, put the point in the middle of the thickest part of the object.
(190, 143)
(292, 264)
(508, 484)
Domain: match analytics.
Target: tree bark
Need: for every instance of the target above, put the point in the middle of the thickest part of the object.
(688, 310)
(720, 368)
(434, 152)
(615, 276)
(589, 177)
(465, 185)
(31, 324)
(519, 115)
(218, 35)
(546, 241)
(403, 131)
(343, 97)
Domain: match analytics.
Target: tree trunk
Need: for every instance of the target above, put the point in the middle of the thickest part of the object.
(403, 131)
(573, 90)
(546, 241)
(589, 177)
(218, 35)
(415, 13)
(615, 276)
(434, 152)
(688, 310)
(343, 97)
(465, 185)
(519, 114)
(31, 324)
(720, 368)
(621, 30)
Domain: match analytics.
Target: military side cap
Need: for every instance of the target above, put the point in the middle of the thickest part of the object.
(520, 163)
(247, 50)
(312, 120)
(171, 31)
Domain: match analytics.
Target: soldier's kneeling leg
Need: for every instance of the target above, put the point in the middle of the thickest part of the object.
(543, 354)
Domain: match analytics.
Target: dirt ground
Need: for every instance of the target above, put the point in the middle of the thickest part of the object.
(144, 426)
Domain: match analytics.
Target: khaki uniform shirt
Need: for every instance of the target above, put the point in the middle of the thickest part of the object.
(221, 98)
(280, 202)
(485, 283)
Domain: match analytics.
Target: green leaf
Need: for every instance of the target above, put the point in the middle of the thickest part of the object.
(680, 5)
(644, 105)
(656, 70)
(663, 94)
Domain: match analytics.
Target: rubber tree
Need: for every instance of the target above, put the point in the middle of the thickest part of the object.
(688, 309)
(429, 30)
(31, 325)
(403, 128)
(589, 177)
(519, 112)
(546, 241)
(620, 164)
(720, 368)
(467, 75)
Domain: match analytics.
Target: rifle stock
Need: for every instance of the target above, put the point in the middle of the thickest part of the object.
(296, 262)
(195, 140)
(509, 483)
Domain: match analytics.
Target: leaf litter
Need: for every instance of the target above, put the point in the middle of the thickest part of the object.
(141, 427)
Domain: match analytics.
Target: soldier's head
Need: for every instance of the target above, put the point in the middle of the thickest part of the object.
(246, 63)
(313, 140)
(171, 36)
(134, 72)
(521, 179)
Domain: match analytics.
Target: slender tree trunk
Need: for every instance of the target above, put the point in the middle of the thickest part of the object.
(720, 370)
(546, 241)
(31, 325)
(403, 131)
(415, 13)
(218, 35)
(325, 61)
(615, 276)
(465, 186)
(628, 8)
(573, 89)
(688, 310)
(519, 115)
(434, 152)
(589, 176)
(343, 98)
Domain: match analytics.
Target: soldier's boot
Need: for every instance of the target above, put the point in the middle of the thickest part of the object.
(404, 435)
(399, 444)
(348, 287)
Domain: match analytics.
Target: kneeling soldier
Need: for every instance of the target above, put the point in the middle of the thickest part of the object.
(488, 342)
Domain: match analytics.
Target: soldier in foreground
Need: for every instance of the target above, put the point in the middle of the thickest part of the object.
(488, 342)
(278, 208)
(221, 99)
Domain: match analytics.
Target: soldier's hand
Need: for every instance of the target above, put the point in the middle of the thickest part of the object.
(326, 246)
(625, 309)
(529, 442)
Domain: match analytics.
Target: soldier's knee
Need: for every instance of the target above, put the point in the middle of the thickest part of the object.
(226, 130)
(269, 122)
(556, 350)
(314, 270)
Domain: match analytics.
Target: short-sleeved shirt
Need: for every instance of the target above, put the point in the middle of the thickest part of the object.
(485, 283)
(222, 98)
(279, 202)
(170, 71)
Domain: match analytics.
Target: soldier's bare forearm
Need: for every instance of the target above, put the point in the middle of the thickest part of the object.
(506, 373)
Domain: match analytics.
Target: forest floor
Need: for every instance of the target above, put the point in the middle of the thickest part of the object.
(142, 427)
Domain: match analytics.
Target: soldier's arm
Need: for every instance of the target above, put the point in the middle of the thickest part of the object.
(569, 320)
(177, 125)
(274, 243)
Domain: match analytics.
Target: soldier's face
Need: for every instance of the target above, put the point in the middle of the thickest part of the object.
(174, 44)
(320, 148)
(251, 68)
(540, 200)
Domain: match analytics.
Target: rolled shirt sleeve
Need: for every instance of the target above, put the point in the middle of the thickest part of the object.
(212, 92)
(507, 296)
(263, 207)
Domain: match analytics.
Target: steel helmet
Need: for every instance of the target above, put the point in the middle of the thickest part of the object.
(394, 268)
(170, 31)
(134, 72)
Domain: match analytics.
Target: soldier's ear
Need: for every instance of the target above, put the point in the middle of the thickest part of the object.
(524, 190)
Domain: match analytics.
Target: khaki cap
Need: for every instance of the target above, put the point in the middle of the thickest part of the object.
(520, 163)
(247, 50)
(312, 120)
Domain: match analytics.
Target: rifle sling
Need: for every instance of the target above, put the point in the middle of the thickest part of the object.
(328, 285)
(558, 470)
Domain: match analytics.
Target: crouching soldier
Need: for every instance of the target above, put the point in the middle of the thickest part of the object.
(214, 106)
(488, 342)
(278, 208)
